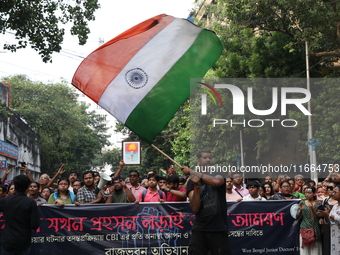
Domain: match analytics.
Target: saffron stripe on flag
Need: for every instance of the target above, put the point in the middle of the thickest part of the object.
(98, 69)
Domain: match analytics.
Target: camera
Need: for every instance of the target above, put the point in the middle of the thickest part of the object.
(23, 164)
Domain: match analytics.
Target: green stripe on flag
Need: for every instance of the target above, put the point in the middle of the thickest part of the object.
(157, 108)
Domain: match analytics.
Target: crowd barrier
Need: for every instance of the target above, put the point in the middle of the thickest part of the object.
(259, 227)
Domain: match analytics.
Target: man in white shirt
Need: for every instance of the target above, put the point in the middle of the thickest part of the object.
(253, 188)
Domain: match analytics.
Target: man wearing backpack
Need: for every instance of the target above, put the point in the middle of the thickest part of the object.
(152, 194)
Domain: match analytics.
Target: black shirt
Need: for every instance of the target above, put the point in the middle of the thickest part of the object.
(21, 217)
(212, 215)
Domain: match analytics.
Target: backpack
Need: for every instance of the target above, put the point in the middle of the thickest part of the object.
(160, 193)
(55, 196)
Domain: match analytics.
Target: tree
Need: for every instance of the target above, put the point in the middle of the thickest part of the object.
(267, 39)
(111, 156)
(69, 133)
(303, 20)
(40, 23)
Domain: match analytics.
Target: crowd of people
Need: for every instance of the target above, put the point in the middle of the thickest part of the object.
(318, 208)
(84, 189)
(203, 191)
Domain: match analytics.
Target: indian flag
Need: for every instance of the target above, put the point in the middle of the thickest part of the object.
(142, 76)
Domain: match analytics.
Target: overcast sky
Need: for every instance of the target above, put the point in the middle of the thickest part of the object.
(113, 18)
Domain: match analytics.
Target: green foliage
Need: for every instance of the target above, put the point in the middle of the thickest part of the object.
(267, 39)
(40, 23)
(112, 156)
(68, 133)
(264, 39)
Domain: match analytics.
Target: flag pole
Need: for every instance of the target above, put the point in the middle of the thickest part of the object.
(163, 153)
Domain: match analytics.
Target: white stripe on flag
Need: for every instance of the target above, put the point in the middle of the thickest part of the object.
(155, 58)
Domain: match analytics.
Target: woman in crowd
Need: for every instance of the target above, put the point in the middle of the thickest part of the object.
(63, 196)
(310, 233)
(33, 192)
(45, 193)
(333, 217)
(328, 202)
(11, 189)
(268, 189)
(285, 192)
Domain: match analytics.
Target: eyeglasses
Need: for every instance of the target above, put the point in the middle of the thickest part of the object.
(43, 178)
(335, 192)
(330, 187)
(285, 187)
(133, 175)
(299, 179)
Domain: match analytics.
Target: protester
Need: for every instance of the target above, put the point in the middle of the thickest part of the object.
(144, 183)
(295, 192)
(285, 192)
(183, 182)
(230, 195)
(304, 186)
(335, 176)
(253, 188)
(268, 189)
(310, 183)
(161, 183)
(72, 177)
(173, 192)
(207, 195)
(333, 216)
(238, 185)
(119, 192)
(51, 183)
(11, 189)
(280, 178)
(309, 225)
(328, 190)
(3, 191)
(77, 184)
(88, 194)
(152, 193)
(268, 179)
(171, 170)
(45, 193)
(320, 193)
(62, 196)
(33, 191)
(299, 181)
(96, 178)
(21, 217)
(328, 202)
(6, 173)
(44, 180)
(261, 192)
(134, 185)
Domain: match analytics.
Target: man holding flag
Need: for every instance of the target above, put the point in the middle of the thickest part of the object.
(207, 199)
